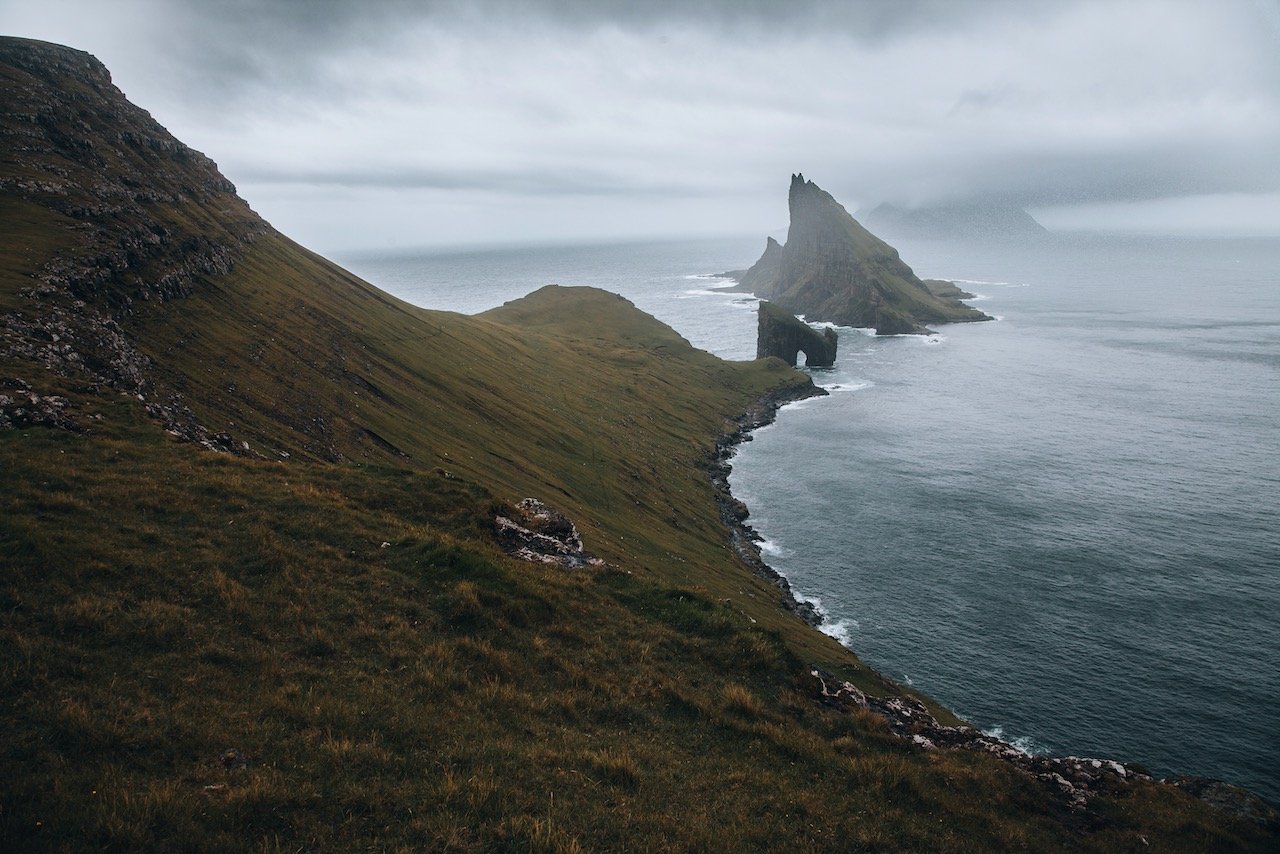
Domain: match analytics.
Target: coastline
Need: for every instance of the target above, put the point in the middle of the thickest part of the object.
(1075, 780)
(734, 513)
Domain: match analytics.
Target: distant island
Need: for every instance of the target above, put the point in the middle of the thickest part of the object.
(977, 220)
(833, 270)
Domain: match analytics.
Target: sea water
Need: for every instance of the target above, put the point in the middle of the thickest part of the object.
(1064, 525)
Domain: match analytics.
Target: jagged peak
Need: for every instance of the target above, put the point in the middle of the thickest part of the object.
(834, 269)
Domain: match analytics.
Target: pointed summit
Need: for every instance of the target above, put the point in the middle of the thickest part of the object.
(832, 269)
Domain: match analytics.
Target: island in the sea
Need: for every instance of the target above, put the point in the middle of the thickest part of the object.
(833, 270)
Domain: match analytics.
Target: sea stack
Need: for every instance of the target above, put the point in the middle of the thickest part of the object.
(832, 269)
(780, 333)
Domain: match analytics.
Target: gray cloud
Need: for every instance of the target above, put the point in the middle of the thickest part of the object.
(540, 107)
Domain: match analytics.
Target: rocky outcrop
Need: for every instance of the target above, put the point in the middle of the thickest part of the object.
(537, 533)
(833, 270)
(1074, 780)
(22, 406)
(782, 334)
(946, 290)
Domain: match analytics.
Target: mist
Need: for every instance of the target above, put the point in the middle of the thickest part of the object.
(403, 124)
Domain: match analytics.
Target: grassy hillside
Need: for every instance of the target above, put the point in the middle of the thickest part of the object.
(315, 641)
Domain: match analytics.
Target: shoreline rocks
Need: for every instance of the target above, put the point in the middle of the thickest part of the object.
(733, 513)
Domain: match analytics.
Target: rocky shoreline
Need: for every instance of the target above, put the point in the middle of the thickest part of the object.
(733, 513)
(1074, 780)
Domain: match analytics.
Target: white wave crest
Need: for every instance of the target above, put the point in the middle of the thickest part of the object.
(1024, 743)
(857, 385)
(841, 630)
(773, 549)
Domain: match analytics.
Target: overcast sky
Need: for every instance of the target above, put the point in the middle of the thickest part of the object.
(401, 123)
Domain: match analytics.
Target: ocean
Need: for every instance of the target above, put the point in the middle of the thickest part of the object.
(1064, 525)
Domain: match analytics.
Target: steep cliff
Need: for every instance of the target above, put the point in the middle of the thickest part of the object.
(832, 269)
(782, 334)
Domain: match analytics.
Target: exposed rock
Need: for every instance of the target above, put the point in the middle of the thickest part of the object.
(782, 334)
(733, 513)
(1233, 799)
(838, 693)
(146, 219)
(834, 270)
(1074, 779)
(20, 406)
(534, 532)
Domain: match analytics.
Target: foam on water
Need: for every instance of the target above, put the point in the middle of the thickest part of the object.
(842, 630)
(1024, 743)
(842, 387)
(772, 549)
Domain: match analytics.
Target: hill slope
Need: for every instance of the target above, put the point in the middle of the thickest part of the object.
(312, 639)
(832, 269)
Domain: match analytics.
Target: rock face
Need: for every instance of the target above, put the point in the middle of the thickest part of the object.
(957, 221)
(782, 334)
(832, 269)
(143, 220)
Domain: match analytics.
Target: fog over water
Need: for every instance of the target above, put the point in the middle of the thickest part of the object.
(393, 123)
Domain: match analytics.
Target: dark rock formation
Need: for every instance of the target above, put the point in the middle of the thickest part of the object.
(782, 334)
(832, 269)
(21, 406)
(1075, 780)
(1072, 779)
(955, 221)
(534, 532)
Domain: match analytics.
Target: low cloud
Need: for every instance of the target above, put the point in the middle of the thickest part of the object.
(531, 105)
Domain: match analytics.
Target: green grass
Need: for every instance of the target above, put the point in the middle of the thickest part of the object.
(199, 651)
(429, 690)
(320, 646)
